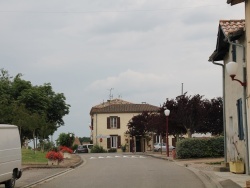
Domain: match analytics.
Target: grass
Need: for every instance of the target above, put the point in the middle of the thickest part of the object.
(29, 157)
(215, 163)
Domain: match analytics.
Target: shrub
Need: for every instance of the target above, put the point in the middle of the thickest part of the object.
(112, 150)
(75, 147)
(53, 155)
(123, 147)
(98, 149)
(200, 147)
(65, 149)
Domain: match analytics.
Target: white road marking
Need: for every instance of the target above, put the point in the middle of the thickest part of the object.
(113, 157)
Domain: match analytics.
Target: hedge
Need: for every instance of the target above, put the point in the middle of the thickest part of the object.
(200, 147)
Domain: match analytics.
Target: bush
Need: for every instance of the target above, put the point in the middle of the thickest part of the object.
(52, 155)
(65, 149)
(112, 150)
(200, 148)
(75, 147)
(98, 149)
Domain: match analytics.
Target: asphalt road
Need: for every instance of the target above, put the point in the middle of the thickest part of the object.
(122, 171)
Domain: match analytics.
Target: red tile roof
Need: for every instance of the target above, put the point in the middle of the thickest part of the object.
(228, 29)
(120, 106)
(231, 27)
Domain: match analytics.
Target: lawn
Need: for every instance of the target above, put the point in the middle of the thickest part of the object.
(29, 157)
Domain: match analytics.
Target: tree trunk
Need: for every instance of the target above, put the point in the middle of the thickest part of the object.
(34, 140)
(189, 133)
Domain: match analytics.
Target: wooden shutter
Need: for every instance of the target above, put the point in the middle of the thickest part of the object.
(240, 120)
(108, 143)
(118, 123)
(108, 123)
(119, 141)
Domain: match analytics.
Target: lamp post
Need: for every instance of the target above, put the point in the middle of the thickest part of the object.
(167, 112)
(70, 135)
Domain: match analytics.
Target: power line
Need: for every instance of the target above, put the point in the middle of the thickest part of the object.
(103, 11)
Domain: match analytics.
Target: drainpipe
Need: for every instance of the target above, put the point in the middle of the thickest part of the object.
(96, 130)
(244, 103)
(224, 111)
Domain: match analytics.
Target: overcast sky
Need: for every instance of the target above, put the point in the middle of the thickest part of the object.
(144, 49)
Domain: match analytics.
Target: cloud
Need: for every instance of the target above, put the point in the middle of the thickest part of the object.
(143, 49)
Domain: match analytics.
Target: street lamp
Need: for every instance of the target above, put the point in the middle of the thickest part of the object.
(232, 68)
(70, 135)
(167, 112)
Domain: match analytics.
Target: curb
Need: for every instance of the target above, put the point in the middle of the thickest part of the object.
(28, 166)
(46, 178)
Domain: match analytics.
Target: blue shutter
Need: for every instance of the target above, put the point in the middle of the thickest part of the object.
(240, 119)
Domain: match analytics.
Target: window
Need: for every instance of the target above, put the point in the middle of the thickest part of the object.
(240, 119)
(113, 122)
(114, 141)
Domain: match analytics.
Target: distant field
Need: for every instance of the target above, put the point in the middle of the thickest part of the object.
(29, 157)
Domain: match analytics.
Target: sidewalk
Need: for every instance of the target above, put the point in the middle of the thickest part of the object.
(206, 167)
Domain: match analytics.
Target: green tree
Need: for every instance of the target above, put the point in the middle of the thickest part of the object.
(65, 139)
(37, 110)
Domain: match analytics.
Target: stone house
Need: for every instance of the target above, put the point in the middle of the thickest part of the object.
(109, 124)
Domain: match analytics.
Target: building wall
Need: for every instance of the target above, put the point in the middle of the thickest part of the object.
(247, 44)
(234, 91)
(100, 127)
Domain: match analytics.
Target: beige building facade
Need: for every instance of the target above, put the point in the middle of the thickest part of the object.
(231, 47)
(109, 125)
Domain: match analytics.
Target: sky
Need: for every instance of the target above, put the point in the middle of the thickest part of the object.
(136, 50)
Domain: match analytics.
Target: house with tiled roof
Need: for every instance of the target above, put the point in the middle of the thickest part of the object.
(231, 50)
(109, 123)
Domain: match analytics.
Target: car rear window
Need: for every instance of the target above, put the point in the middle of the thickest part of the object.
(81, 147)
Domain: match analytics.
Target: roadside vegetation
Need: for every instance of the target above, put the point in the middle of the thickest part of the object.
(29, 157)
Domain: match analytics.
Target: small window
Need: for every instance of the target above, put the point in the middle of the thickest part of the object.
(240, 120)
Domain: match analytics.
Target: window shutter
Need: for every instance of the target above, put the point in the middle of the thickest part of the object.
(240, 120)
(108, 123)
(119, 142)
(108, 143)
(118, 123)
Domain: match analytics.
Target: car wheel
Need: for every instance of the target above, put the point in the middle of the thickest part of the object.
(10, 183)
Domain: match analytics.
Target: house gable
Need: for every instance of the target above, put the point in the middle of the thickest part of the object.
(228, 30)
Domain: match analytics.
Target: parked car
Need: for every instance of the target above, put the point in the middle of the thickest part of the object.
(85, 148)
(10, 155)
(158, 147)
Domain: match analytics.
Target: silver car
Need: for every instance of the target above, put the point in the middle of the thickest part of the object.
(159, 147)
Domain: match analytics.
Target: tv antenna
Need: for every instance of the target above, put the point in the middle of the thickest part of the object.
(110, 93)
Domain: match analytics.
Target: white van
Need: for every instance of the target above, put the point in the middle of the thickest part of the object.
(10, 155)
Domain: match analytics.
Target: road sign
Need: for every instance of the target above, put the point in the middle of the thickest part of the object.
(102, 136)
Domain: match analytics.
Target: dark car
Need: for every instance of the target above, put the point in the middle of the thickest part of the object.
(85, 148)
(82, 149)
